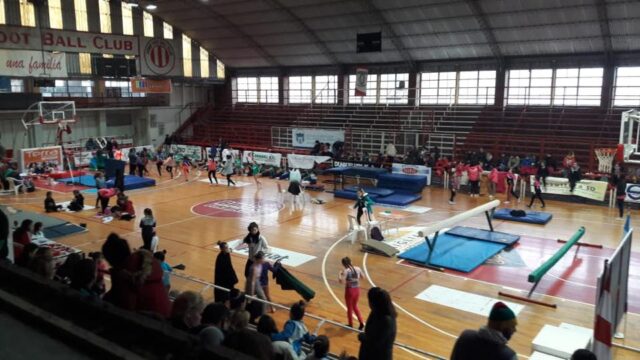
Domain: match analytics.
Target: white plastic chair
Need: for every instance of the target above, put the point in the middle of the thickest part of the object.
(16, 183)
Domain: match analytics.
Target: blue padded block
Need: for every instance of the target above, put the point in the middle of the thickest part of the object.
(411, 183)
(532, 217)
(345, 194)
(86, 180)
(484, 235)
(365, 172)
(454, 252)
(398, 199)
(62, 230)
(132, 182)
(371, 190)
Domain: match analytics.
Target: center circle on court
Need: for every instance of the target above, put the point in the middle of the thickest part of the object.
(229, 208)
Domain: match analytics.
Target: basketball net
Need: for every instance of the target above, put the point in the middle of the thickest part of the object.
(605, 159)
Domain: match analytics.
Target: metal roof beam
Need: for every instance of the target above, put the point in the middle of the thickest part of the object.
(605, 30)
(307, 31)
(487, 31)
(395, 40)
(252, 42)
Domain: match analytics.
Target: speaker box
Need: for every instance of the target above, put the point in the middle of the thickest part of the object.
(369, 42)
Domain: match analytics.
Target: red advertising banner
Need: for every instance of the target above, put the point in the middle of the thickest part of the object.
(51, 156)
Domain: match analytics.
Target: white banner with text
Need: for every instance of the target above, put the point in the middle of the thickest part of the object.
(263, 158)
(27, 63)
(306, 138)
(590, 189)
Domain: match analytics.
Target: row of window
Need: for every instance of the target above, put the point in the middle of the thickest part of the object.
(28, 18)
(79, 88)
(558, 87)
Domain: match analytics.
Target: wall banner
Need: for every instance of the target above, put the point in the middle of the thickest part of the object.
(151, 86)
(263, 158)
(33, 63)
(407, 169)
(193, 152)
(306, 138)
(590, 189)
(27, 38)
(305, 162)
(51, 155)
(159, 57)
(632, 193)
(361, 82)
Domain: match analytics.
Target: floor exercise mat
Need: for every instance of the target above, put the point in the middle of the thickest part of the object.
(531, 217)
(62, 230)
(484, 235)
(131, 182)
(454, 252)
(398, 199)
(47, 221)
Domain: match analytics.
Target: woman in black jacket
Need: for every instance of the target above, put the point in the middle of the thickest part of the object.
(380, 332)
(225, 275)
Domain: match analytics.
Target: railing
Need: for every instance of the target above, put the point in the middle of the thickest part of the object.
(185, 282)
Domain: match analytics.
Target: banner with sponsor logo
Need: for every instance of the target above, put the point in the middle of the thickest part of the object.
(305, 162)
(361, 82)
(287, 257)
(151, 86)
(633, 193)
(407, 169)
(306, 138)
(590, 189)
(263, 158)
(33, 63)
(27, 38)
(82, 158)
(51, 155)
(159, 57)
(194, 153)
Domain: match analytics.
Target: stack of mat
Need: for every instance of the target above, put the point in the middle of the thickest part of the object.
(380, 195)
(461, 248)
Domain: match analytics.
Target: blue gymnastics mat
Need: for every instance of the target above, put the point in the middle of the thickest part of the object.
(370, 190)
(398, 199)
(454, 252)
(346, 194)
(62, 230)
(131, 182)
(484, 235)
(531, 217)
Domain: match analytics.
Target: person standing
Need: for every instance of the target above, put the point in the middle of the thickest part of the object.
(148, 226)
(351, 276)
(511, 179)
(100, 184)
(537, 192)
(186, 167)
(255, 243)
(454, 183)
(169, 164)
(224, 274)
(493, 182)
(376, 343)
(621, 193)
(159, 161)
(212, 167)
(574, 175)
(255, 171)
(474, 172)
(227, 170)
(363, 201)
(252, 285)
(490, 341)
(133, 161)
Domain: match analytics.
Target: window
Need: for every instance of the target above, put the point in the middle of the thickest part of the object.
(82, 22)
(326, 89)
(167, 31)
(438, 88)
(120, 88)
(581, 86)
(127, 19)
(393, 88)
(627, 87)
(85, 63)
(247, 90)
(476, 87)
(3, 19)
(147, 20)
(268, 90)
(372, 90)
(27, 13)
(69, 88)
(529, 87)
(55, 14)
(300, 89)
(187, 65)
(105, 16)
(204, 63)
(219, 69)
(257, 89)
(17, 85)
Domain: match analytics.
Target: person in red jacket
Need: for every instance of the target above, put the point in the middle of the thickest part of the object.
(474, 171)
(21, 237)
(493, 182)
(136, 279)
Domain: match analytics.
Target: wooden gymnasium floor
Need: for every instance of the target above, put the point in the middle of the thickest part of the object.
(316, 230)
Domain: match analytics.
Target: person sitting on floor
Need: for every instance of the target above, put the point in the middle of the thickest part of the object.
(124, 209)
(50, 204)
(77, 204)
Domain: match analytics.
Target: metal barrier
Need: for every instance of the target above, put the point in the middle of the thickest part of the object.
(186, 282)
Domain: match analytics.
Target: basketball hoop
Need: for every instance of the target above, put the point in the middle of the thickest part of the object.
(60, 113)
(605, 159)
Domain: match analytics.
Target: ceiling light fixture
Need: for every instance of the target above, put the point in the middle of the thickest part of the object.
(151, 7)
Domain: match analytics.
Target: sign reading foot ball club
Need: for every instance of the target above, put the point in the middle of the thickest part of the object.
(160, 58)
(237, 208)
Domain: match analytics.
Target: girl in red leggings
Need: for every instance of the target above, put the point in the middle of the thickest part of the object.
(351, 275)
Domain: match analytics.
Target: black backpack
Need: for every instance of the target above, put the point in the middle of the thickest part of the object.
(376, 234)
(518, 213)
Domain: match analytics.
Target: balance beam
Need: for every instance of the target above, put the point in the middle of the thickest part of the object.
(537, 274)
(435, 228)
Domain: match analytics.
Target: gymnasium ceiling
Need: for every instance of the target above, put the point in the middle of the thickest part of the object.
(275, 33)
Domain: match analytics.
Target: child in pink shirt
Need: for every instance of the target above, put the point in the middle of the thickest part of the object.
(493, 182)
(474, 172)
